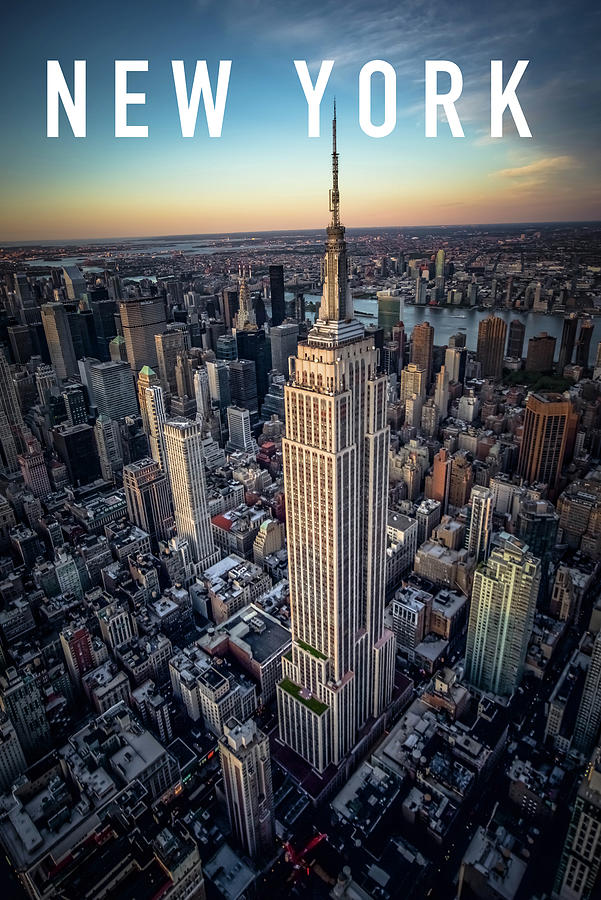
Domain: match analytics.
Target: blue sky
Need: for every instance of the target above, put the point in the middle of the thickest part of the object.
(264, 172)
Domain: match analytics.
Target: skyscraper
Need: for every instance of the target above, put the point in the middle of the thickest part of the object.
(515, 340)
(541, 350)
(441, 394)
(284, 339)
(422, 343)
(156, 417)
(454, 362)
(75, 283)
(59, 340)
(438, 483)
(113, 390)
(583, 344)
(479, 530)
(76, 447)
(11, 420)
(491, 344)
(246, 767)
(439, 273)
(461, 480)
(33, 468)
(23, 702)
(108, 444)
(588, 720)
(501, 617)
(146, 378)
(278, 299)
(547, 421)
(243, 385)
(578, 872)
(141, 321)
(219, 383)
(568, 340)
(238, 424)
(183, 445)
(413, 381)
(148, 498)
(341, 668)
(168, 345)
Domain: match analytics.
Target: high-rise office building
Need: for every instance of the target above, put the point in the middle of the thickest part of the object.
(568, 341)
(33, 468)
(438, 483)
(491, 346)
(148, 498)
(284, 340)
(75, 404)
(479, 530)
(113, 389)
(243, 385)
(541, 350)
(588, 720)
(75, 283)
(536, 525)
(219, 383)
(76, 447)
(108, 444)
(246, 767)
(428, 515)
(439, 273)
(422, 348)
(59, 340)
(185, 460)
(502, 610)
(583, 344)
(12, 760)
(460, 480)
(169, 344)
(413, 382)
(146, 378)
(515, 339)
(278, 298)
(252, 345)
(547, 422)
(341, 667)
(454, 363)
(11, 420)
(578, 872)
(441, 393)
(141, 321)
(156, 416)
(22, 701)
(238, 423)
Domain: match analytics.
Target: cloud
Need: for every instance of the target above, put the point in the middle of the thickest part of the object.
(538, 169)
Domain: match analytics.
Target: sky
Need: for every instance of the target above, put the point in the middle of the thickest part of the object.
(264, 172)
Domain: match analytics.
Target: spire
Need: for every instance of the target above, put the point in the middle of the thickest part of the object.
(334, 195)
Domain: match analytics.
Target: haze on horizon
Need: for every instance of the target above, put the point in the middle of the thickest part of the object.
(264, 173)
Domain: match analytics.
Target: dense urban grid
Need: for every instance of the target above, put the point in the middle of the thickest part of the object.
(299, 593)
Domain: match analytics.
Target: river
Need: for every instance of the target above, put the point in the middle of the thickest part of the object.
(449, 320)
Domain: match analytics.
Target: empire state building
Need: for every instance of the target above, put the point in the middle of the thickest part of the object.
(339, 673)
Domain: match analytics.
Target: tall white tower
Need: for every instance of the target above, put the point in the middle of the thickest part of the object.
(341, 668)
(185, 461)
(156, 416)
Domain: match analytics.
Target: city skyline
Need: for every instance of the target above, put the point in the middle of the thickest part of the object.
(103, 187)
